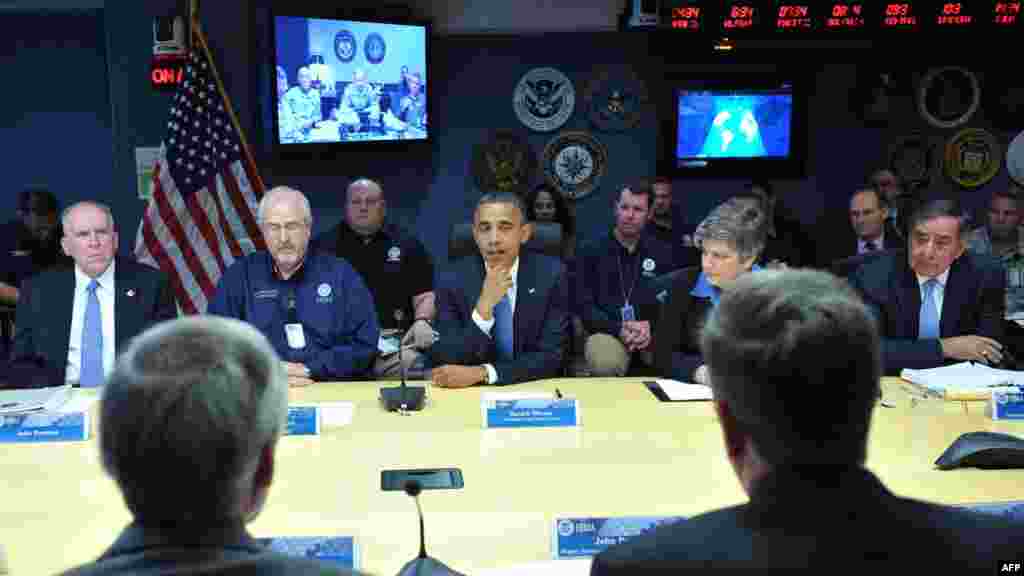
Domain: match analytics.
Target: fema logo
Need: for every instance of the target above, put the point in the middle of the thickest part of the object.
(649, 265)
(323, 290)
(375, 48)
(394, 254)
(544, 99)
(345, 46)
(566, 528)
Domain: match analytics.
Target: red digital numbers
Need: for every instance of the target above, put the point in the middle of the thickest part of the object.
(899, 15)
(845, 15)
(686, 18)
(739, 17)
(1006, 13)
(897, 9)
(953, 14)
(793, 16)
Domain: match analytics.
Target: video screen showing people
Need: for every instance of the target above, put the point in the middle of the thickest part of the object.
(342, 80)
(734, 124)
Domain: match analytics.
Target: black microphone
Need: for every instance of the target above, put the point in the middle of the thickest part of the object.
(402, 398)
(423, 564)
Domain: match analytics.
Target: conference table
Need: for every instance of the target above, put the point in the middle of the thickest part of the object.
(631, 456)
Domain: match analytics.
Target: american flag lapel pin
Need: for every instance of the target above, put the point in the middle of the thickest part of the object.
(531, 290)
(129, 292)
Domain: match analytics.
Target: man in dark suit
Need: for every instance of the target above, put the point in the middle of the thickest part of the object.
(870, 230)
(189, 424)
(502, 317)
(776, 339)
(935, 304)
(71, 321)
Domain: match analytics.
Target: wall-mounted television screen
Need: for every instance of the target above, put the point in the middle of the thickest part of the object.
(342, 81)
(736, 128)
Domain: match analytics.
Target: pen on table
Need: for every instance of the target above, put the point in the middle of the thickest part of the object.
(558, 393)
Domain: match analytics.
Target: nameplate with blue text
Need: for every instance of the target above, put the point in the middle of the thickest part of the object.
(1008, 404)
(530, 412)
(44, 427)
(303, 421)
(585, 537)
(335, 550)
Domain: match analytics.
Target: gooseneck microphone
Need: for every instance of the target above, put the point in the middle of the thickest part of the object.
(423, 565)
(402, 398)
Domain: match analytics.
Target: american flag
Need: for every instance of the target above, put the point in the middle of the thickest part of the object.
(202, 213)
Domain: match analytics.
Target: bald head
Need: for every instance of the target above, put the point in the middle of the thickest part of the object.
(286, 222)
(364, 207)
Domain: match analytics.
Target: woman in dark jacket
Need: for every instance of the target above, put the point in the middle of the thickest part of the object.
(731, 239)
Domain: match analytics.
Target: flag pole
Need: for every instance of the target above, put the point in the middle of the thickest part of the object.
(220, 87)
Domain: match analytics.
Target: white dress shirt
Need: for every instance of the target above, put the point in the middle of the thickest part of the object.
(105, 293)
(939, 291)
(487, 325)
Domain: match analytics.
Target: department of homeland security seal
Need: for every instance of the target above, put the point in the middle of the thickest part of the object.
(948, 96)
(973, 157)
(504, 163)
(375, 48)
(574, 163)
(323, 290)
(544, 99)
(614, 102)
(345, 45)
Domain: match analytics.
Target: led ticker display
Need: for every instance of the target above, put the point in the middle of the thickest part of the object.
(1006, 13)
(793, 16)
(740, 16)
(899, 15)
(954, 14)
(687, 16)
(845, 15)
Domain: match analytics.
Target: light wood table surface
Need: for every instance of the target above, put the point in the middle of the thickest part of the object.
(632, 455)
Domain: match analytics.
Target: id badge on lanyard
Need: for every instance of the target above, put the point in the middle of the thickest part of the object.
(628, 315)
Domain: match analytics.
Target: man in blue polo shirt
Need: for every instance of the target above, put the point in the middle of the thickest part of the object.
(314, 308)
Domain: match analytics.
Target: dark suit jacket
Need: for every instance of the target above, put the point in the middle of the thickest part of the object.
(43, 318)
(973, 303)
(677, 341)
(229, 553)
(834, 246)
(803, 519)
(541, 319)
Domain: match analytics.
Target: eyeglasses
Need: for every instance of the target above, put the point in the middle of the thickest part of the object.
(368, 202)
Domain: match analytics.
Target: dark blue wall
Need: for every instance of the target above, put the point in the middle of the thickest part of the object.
(472, 79)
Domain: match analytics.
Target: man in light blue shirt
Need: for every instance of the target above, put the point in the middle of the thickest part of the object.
(304, 101)
(287, 123)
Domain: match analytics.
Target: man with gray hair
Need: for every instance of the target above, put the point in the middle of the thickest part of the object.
(304, 102)
(72, 321)
(314, 308)
(188, 427)
(775, 339)
(396, 268)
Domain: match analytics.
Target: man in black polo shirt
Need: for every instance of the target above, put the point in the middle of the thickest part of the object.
(397, 270)
(617, 300)
(30, 243)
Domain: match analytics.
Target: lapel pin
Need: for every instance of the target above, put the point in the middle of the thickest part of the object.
(129, 292)
(531, 290)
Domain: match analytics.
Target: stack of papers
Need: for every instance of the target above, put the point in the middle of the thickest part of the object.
(677, 391)
(33, 400)
(966, 379)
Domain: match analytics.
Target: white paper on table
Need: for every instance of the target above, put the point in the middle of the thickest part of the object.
(676, 390)
(336, 414)
(963, 376)
(78, 403)
(46, 399)
(568, 567)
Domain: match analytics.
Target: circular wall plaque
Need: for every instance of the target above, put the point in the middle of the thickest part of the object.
(504, 163)
(972, 157)
(375, 48)
(614, 101)
(574, 163)
(345, 45)
(949, 96)
(544, 99)
(1015, 159)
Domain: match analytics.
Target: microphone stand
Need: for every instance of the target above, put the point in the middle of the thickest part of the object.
(402, 398)
(423, 564)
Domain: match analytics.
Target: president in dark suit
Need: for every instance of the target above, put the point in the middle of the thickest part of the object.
(938, 304)
(72, 321)
(189, 425)
(869, 230)
(502, 317)
(775, 340)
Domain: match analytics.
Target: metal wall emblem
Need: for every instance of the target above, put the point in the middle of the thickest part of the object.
(574, 163)
(544, 99)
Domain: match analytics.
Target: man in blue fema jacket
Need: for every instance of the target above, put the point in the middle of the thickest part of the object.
(314, 308)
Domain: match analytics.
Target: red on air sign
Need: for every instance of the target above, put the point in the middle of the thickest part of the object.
(166, 73)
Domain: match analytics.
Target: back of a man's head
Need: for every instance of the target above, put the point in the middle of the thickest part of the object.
(185, 415)
(795, 356)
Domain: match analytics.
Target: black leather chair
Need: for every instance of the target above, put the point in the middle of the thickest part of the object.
(546, 239)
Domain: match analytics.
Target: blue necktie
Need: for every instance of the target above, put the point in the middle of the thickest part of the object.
(92, 341)
(504, 334)
(929, 328)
